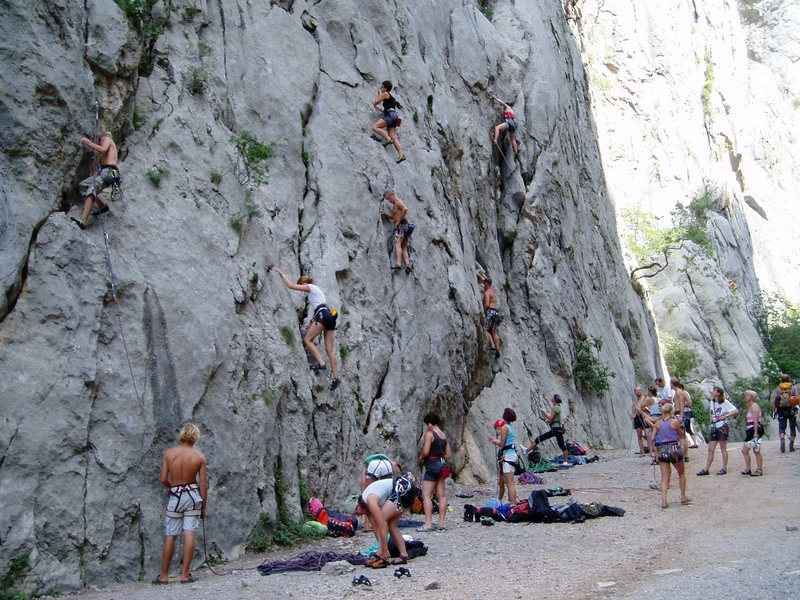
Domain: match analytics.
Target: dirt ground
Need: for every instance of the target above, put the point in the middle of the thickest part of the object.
(648, 552)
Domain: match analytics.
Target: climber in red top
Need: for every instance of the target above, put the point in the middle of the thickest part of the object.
(509, 123)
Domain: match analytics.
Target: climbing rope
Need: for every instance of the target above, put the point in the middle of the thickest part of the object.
(499, 149)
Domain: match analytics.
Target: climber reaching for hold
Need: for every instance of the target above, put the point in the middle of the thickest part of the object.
(323, 319)
(108, 175)
(491, 313)
(509, 123)
(402, 230)
(386, 127)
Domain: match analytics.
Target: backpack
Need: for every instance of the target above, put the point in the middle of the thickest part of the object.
(338, 524)
(520, 512)
(575, 449)
(404, 491)
(785, 398)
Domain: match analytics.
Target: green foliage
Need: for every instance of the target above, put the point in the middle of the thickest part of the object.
(487, 8)
(238, 223)
(287, 333)
(254, 278)
(653, 246)
(215, 177)
(591, 374)
(796, 103)
(195, 80)
(415, 117)
(681, 359)
(51, 593)
(16, 568)
(268, 395)
(154, 174)
(344, 351)
(189, 12)
(203, 49)
(252, 210)
(251, 158)
(156, 125)
(698, 407)
(137, 120)
(305, 157)
(140, 12)
(12, 595)
(708, 85)
(779, 324)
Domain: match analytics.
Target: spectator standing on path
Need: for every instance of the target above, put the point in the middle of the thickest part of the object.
(507, 457)
(753, 434)
(720, 410)
(654, 412)
(433, 458)
(681, 402)
(491, 314)
(638, 420)
(786, 409)
(670, 451)
(183, 471)
(664, 391)
(556, 429)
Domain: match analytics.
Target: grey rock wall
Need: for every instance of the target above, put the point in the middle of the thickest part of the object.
(93, 390)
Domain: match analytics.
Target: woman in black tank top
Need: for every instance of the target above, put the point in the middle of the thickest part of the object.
(386, 127)
(433, 459)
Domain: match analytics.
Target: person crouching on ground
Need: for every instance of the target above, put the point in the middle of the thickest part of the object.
(376, 467)
(669, 433)
(753, 435)
(384, 515)
(433, 458)
(507, 457)
(556, 429)
(183, 471)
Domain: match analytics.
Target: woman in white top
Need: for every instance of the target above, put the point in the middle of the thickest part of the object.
(322, 320)
(720, 410)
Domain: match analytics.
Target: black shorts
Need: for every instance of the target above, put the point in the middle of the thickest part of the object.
(512, 124)
(687, 426)
(718, 435)
(749, 432)
(324, 316)
(638, 422)
(435, 469)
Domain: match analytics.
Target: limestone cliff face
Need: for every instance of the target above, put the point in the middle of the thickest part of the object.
(663, 138)
(93, 390)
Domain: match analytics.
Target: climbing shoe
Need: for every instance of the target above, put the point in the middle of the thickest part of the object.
(400, 158)
(334, 384)
(100, 211)
(402, 572)
(362, 580)
(410, 268)
(397, 267)
(82, 225)
(387, 142)
(317, 368)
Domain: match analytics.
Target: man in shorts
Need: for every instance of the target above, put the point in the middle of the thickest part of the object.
(402, 230)
(183, 471)
(491, 314)
(106, 176)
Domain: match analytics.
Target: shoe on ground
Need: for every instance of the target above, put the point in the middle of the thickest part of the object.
(702, 472)
(746, 472)
(756, 473)
(400, 158)
(409, 269)
(565, 464)
(722, 472)
(334, 384)
(82, 225)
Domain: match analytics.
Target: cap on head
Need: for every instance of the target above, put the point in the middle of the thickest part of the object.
(499, 423)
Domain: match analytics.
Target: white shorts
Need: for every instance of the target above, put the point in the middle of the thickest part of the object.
(184, 507)
(508, 467)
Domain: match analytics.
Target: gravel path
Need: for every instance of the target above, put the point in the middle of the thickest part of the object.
(732, 542)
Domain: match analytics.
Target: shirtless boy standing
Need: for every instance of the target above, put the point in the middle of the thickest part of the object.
(183, 471)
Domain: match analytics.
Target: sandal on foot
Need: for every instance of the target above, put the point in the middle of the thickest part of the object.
(191, 579)
(400, 560)
(686, 501)
(377, 563)
(756, 473)
(747, 472)
(158, 581)
(663, 506)
(722, 472)
(703, 472)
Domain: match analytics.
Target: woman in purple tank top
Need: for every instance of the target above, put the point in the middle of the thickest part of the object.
(669, 431)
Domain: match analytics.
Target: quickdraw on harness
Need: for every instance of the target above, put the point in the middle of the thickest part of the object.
(402, 491)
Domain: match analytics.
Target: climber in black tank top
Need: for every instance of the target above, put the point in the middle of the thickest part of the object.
(386, 127)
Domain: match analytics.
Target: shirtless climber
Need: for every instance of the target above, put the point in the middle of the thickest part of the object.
(402, 230)
(183, 471)
(491, 313)
(94, 184)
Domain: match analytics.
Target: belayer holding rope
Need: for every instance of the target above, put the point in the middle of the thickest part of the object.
(386, 127)
(323, 319)
(108, 175)
(507, 457)
(553, 418)
(509, 123)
